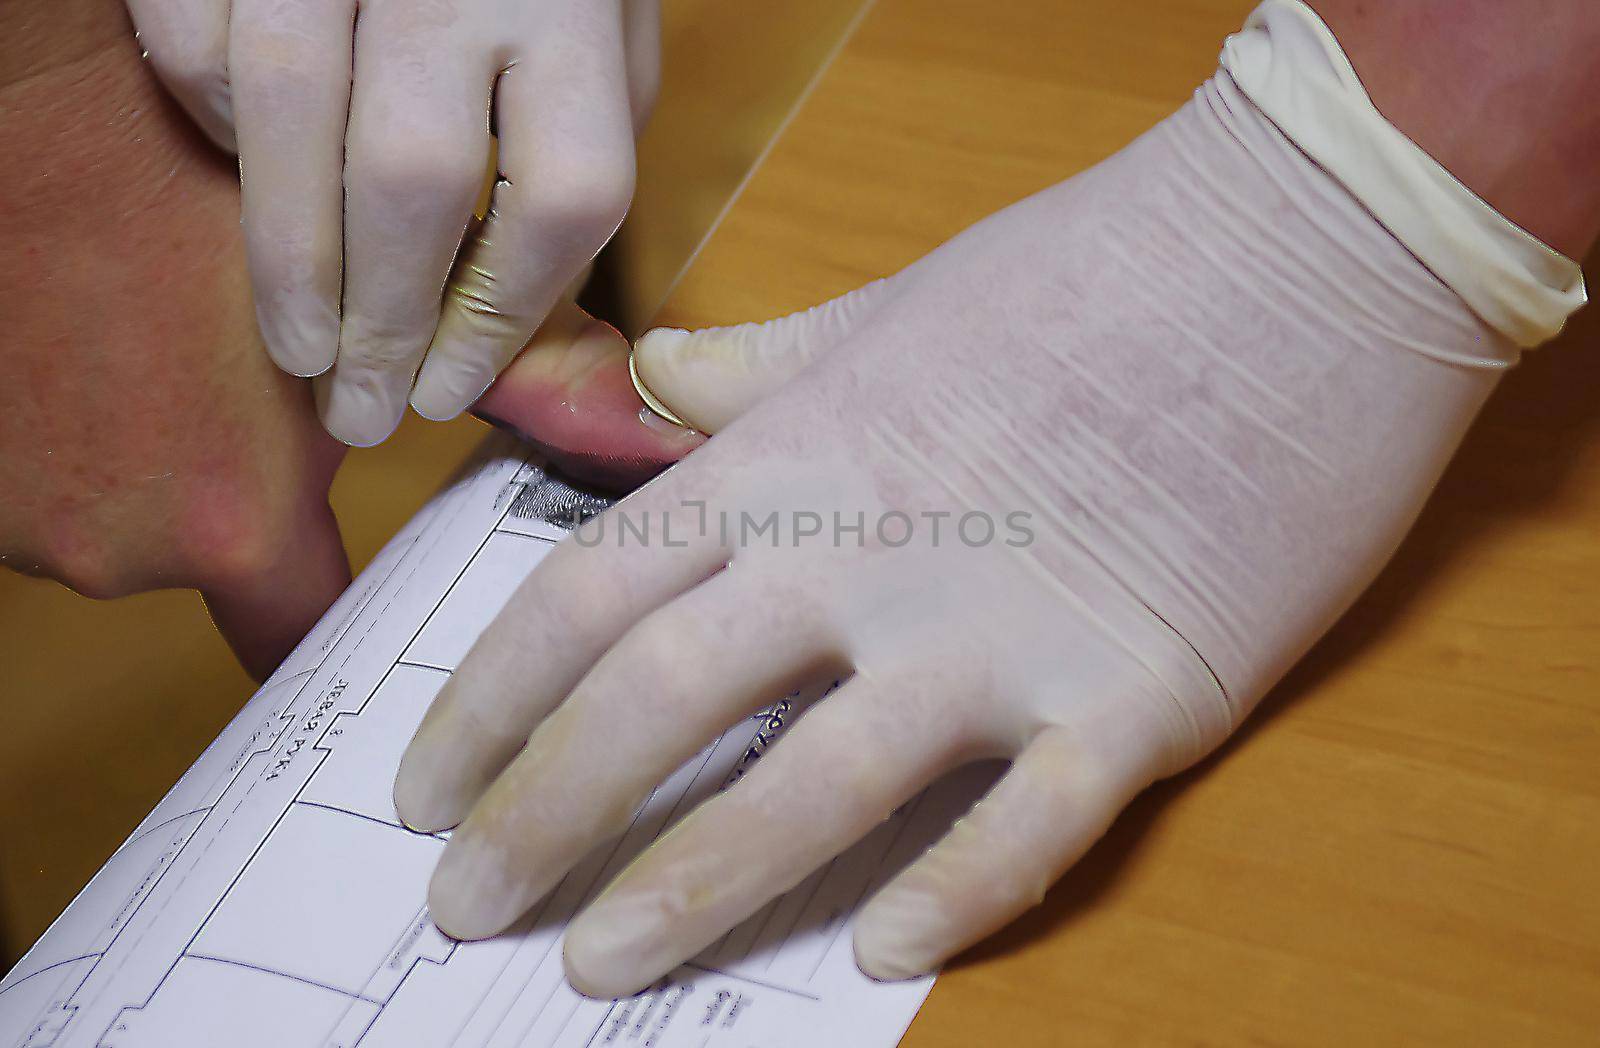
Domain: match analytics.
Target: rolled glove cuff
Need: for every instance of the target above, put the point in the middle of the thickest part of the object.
(1288, 63)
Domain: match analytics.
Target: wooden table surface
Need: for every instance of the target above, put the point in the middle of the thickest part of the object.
(1398, 848)
(1402, 845)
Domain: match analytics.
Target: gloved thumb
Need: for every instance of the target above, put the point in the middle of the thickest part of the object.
(707, 378)
(569, 395)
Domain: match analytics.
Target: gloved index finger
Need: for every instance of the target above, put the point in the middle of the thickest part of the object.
(417, 147)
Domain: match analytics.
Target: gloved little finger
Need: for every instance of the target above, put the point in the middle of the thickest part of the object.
(997, 862)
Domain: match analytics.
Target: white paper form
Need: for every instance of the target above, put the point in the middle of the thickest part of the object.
(273, 898)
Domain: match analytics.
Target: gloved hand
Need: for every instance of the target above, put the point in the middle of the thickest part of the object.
(364, 142)
(1074, 490)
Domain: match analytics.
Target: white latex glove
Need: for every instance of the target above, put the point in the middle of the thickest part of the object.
(364, 143)
(1217, 388)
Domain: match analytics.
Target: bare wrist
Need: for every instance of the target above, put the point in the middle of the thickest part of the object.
(1506, 96)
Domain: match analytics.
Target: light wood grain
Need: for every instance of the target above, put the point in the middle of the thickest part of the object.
(731, 73)
(1400, 847)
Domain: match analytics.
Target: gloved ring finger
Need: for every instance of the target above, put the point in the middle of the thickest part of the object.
(844, 767)
(1059, 797)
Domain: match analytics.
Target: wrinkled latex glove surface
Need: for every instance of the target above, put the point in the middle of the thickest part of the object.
(364, 136)
(1214, 387)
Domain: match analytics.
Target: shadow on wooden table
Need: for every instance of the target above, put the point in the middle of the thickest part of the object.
(1518, 460)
